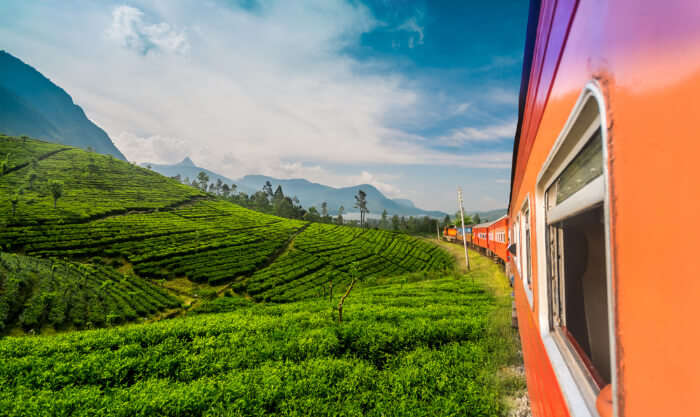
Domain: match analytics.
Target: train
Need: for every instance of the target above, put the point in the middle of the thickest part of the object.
(602, 219)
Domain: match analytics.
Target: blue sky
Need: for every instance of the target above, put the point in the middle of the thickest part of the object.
(414, 97)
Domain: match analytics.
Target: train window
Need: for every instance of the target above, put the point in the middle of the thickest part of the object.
(525, 254)
(577, 258)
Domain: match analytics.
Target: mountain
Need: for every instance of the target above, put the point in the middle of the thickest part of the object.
(309, 193)
(187, 169)
(313, 194)
(405, 202)
(490, 215)
(31, 105)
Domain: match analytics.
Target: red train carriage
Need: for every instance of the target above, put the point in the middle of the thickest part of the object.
(607, 141)
(498, 238)
(480, 235)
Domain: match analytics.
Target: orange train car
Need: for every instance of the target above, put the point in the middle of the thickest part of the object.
(480, 235)
(607, 141)
(449, 233)
(497, 238)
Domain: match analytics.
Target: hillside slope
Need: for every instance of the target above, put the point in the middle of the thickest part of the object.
(32, 105)
(41, 292)
(138, 220)
(433, 347)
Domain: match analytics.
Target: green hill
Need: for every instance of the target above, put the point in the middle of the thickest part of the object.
(136, 220)
(42, 292)
(434, 347)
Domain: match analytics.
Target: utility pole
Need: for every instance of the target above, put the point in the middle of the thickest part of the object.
(464, 235)
(437, 228)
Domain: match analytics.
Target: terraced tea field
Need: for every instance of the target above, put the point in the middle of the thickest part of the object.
(432, 347)
(138, 222)
(40, 292)
(93, 185)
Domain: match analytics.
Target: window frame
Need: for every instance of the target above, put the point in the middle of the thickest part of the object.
(568, 366)
(525, 267)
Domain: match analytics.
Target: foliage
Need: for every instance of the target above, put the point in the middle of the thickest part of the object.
(41, 292)
(324, 250)
(421, 348)
(94, 184)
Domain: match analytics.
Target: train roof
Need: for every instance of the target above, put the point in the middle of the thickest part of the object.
(487, 224)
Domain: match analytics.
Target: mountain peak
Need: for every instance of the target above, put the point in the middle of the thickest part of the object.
(187, 162)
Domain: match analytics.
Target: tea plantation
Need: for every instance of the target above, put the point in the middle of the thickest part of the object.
(39, 292)
(431, 347)
(138, 222)
(124, 245)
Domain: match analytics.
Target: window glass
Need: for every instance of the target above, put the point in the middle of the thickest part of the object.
(576, 261)
(586, 166)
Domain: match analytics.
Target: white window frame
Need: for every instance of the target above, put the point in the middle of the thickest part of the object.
(522, 253)
(570, 377)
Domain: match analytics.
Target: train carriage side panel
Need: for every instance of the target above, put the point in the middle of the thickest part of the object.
(640, 63)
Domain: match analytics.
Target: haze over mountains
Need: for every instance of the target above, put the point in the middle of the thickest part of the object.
(32, 105)
(313, 194)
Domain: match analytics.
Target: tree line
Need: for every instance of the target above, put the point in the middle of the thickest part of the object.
(277, 203)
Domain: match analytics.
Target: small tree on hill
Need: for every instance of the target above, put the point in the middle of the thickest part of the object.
(14, 200)
(324, 212)
(384, 223)
(225, 190)
(447, 220)
(267, 188)
(395, 222)
(354, 276)
(339, 220)
(5, 164)
(31, 177)
(477, 219)
(56, 188)
(203, 179)
(361, 203)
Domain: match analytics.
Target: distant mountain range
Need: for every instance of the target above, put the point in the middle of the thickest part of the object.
(309, 193)
(31, 105)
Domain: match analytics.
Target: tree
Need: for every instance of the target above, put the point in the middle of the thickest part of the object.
(14, 200)
(384, 224)
(395, 222)
(177, 177)
(203, 179)
(267, 188)
(148, 166)
(354, 275)
(186, 181)
(447, 220)
(324, 212)
(477, 219)
(5, 164)
(225, 190)
(278, 195)
(312, 215)
(361, 203)
(219, 184)
(31, 177)
(56, 188)
(339, 219)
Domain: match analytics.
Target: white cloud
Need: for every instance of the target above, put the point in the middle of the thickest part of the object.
(490, 133)
(132, 32)
(461, 108)
(387, 189)
(411, 25)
